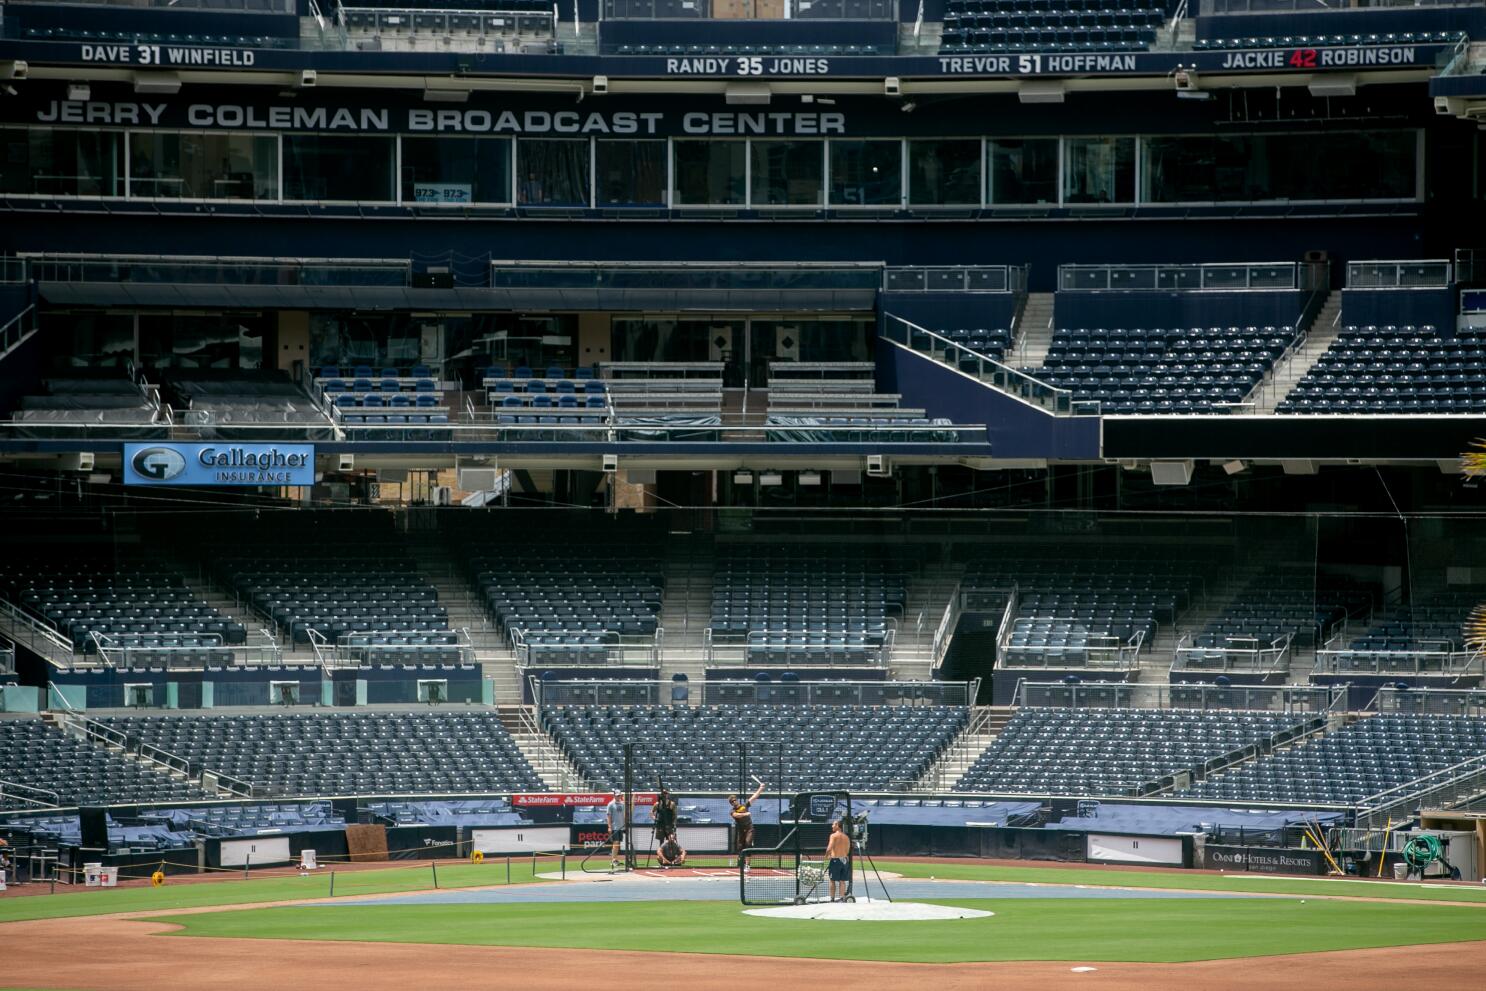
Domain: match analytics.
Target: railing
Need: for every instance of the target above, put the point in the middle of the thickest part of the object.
(117, 652)
(590, 648)
(835, 10)
(1002, 378)
(1470, 266)
(1098, 652)
(549, 757)
(420, 19)
(32, 796)
(1445, 661)
(1225, 277)
(1443, 788)
(750, 692)
(1209, 7)
(955, 278)
(352, 649)
(40, 636)
(1430, 701)
(217, 6)
(13, 270)
(1245, 654)
(944, 633)
(1433, 274)
(218, 270)
(739, 276)
(960, 754)
(850, 650)
(7, 656)
(17, 329)
(1117, 695)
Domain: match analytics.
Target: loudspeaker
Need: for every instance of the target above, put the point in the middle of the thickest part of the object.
(1171, 472)
(877, 466)
(94, 819)
(433, 280)
(611, 463)
(346, 462)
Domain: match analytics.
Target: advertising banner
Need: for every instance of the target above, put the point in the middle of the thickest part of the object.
(219, 464)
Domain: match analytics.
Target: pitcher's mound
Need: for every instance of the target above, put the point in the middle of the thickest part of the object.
(867, 910)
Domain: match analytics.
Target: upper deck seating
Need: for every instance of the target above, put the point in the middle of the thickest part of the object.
(1047, 25)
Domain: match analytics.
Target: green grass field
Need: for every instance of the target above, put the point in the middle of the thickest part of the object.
(1149, 930)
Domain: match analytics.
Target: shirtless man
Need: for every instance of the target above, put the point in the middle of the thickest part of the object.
(838, 857)
(743, 822)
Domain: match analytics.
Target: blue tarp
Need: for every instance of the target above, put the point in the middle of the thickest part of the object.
(1168, 820)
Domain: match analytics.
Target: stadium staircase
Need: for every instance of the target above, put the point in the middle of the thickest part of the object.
(551, 764)
(1034, 332)
(36, 635)
(912, 654)
(1291, 368)
(986, 723)
(577, 39)
(438, 566)
(686, 605)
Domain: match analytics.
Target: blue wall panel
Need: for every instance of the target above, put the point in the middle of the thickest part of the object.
(1400, 307)
(1176, 309)
(949, 311)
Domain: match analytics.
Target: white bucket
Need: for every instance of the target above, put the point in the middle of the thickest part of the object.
(92, 875)
(108, 877)
(307, 860)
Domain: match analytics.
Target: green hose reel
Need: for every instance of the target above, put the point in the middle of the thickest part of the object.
(1423, 850)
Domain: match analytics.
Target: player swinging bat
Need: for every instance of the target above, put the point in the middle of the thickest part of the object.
(743, 822)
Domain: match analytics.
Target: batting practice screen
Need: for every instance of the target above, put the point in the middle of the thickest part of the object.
(793, 871)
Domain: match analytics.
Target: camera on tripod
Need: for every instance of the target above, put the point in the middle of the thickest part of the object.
(855, 826)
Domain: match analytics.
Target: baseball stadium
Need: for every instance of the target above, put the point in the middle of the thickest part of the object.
(742, 493)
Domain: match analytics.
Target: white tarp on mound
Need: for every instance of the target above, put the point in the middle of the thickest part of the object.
(867, 910)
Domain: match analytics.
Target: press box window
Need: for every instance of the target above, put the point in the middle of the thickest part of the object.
(709, 173)
(52, 161)
(1099, 170)
(337, 167)
(631, 173)
(552, 172)
(456, 170)
(1023, 171)
(787, 173)
(866, 173)
(944, 172)
(188, 165)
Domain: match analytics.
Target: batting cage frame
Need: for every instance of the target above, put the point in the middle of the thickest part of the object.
(785, 874)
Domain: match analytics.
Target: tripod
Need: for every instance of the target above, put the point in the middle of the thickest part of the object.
(859, 846)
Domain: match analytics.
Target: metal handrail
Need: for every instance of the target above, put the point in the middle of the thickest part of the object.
(8, 791)
(37, 628)
(1408, 798)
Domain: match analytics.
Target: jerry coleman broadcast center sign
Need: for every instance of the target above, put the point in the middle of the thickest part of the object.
(219, 464)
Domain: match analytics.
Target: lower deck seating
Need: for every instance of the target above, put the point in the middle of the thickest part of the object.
(39, 755)
(1394, 370)
(859, 748)
(363, 753)
(1369, 756)
(1108, 752)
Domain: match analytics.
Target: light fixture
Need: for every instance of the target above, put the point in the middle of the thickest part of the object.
(163, 83)
(79, 92)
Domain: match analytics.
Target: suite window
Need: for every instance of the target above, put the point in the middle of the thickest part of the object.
(1024, 171)
(456, 170)
(631, 173)
(1283, 167)
(709, 173)
(552, 172)
(866, 173)
(54, 161)
(338, 167)
(1099, 170)
(944, 172)
(191, 165)
(787, 173)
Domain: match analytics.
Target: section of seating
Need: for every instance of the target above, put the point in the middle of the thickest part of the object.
(364, 753)
(38, 755)
(1156, 370)
(78, 401)
(569, 598)
(1434, 622)
(336, 574)
(519, 26)
(198, 397)
(820, 402)
(1047, 25)
(815, 604)
(551, 388)
(1275, 606)
(365, 394)
(993, 342)
(1327, 40)
(1370, 755)
(858, 748)
(1108, 751)
(125, 605)
(1076, 613)
(1394, 369)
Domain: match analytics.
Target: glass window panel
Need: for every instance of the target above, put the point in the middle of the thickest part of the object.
(1256, 167)
(709, 173)
(337, 167)
(788, 173)
(61, 162)
(1099, 170)
(1024, 170)
(944, 172)
(210, 340)
(631, 173)
(553, 172)
(866, 173)
(456, 170)
(89, 338)
(191, 165)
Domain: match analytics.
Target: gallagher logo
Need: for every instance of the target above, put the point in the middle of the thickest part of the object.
(158, 464)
